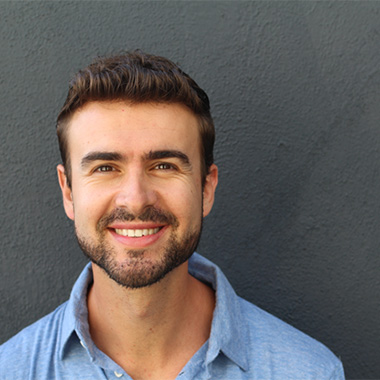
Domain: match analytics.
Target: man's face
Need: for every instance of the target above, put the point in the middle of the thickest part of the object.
(136, 196)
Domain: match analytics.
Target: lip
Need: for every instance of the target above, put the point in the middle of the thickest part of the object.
(137, 242)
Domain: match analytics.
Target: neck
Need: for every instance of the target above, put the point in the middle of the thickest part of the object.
(163, 324)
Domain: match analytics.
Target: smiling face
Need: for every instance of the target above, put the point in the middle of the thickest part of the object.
(136, 192)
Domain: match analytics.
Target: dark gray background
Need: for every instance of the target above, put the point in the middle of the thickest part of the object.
(294, 88)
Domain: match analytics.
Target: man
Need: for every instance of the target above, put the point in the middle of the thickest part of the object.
(136, 138)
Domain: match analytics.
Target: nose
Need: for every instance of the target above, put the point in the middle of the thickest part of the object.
(135, 192)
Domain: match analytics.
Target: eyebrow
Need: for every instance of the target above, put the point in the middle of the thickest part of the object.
(115, 156)
(159, 154)
(100, 156)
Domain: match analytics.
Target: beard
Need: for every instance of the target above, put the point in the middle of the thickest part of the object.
(136, 270)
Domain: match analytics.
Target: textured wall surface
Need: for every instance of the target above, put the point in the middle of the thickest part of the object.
(295, 94)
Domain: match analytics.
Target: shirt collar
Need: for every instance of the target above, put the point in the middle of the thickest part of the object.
(228, 332)
(75, 320)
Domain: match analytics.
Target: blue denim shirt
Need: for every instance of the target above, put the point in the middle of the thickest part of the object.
(245, 343)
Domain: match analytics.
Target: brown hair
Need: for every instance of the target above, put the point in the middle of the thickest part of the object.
(136, 77)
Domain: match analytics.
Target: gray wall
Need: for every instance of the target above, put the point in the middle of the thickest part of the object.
(294, 88)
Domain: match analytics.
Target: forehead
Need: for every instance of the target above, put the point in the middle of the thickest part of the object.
(131, 127)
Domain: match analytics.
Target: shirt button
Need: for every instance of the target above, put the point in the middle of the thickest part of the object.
(82, 344)
(117, 374)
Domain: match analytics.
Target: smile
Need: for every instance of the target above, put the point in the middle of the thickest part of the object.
(137, 233)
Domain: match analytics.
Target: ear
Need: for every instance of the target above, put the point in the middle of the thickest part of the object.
(66, 192)
(209, 189)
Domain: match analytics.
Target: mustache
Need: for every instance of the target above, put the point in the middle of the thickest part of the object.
(150, 214)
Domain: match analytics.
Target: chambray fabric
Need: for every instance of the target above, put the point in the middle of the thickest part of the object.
(245, 343)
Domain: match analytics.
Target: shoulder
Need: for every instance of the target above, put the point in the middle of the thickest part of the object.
(18, 354)
(291, 352)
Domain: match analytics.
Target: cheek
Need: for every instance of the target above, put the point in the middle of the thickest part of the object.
(187, 204)
(185, 196)
(88, 205)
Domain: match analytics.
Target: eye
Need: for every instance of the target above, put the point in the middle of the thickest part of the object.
(164, 166)
(104, 168)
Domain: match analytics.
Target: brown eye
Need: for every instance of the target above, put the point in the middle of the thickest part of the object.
(164, 166)
(104, 168)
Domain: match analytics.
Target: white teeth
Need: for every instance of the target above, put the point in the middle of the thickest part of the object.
(137, 233)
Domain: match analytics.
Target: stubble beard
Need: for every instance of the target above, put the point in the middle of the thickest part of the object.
(136, 270)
